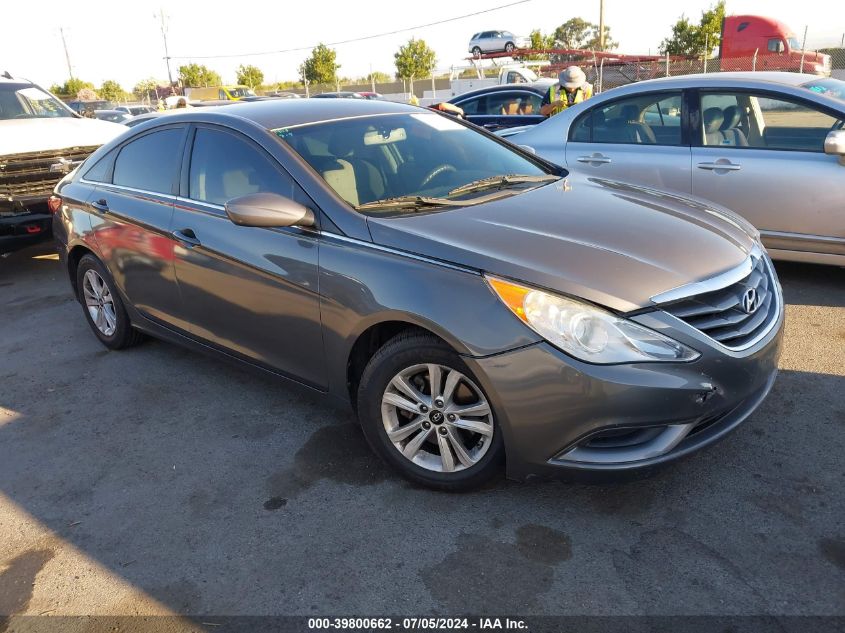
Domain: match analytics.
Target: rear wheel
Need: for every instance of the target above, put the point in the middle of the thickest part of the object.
(426, 416)
(103, 307)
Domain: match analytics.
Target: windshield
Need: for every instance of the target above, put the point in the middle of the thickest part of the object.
(241, 92)
(400, 157)
(24, 101)
(793, 43)
(828, 87)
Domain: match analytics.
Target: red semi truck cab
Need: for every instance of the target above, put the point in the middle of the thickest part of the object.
(775, 45)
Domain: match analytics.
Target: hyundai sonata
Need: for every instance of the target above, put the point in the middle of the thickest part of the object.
(477, 308)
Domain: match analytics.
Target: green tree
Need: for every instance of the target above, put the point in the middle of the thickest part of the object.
(144, 87)
(414, 60)
(379, 77)
(321, 67)
(696, 40)
(577, 33)
(250, 76)
(74, 85)
(56, 89)
(198, 76)
(111, 90)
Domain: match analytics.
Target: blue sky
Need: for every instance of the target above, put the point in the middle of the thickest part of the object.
(122, 41)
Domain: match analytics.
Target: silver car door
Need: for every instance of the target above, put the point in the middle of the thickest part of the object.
(634, 139)
(767, 162)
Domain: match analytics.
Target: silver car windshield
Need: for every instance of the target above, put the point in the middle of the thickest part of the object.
(400, 157)
(29, 102)
(828, 87)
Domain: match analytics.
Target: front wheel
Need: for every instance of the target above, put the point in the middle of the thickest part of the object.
(426, 416)
(509, 47)
(476, 52)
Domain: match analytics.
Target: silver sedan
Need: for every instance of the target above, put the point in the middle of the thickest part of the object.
(770, 146)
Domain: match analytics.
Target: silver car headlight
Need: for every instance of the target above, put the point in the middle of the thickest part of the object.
(585, 331)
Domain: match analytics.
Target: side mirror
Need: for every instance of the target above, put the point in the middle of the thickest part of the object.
(834, 143)
(268, 209)
(781, 48)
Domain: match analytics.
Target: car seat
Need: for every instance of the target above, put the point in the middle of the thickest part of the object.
(347, 146)
(713, 119)
(729, 128)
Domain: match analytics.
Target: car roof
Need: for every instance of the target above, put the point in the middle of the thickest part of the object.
(760, 78)
(279, 113)
(499, 88)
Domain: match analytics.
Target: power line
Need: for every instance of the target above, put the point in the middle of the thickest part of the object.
(357, 39)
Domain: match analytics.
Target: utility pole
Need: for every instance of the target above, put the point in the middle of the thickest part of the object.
(67, 56)
(803, 49)
(163, 18)
(601, 25)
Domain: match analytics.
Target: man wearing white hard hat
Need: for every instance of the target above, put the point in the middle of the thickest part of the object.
(572, 88)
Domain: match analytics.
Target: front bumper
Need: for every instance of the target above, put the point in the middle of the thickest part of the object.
(554, 410)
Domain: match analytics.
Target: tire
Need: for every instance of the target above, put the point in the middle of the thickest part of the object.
(471, 438)
(476, 51)
(103, 308)
(509, 47)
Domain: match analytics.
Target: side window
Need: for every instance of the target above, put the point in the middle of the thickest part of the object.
(763, 122)
(101, 171)
(151, 162)
(582, 129)
(513, 103)
(224, 166)
(775, 45)
(639, 120)
(473, 106)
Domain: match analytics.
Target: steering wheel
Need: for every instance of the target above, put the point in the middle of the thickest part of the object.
(437, 171)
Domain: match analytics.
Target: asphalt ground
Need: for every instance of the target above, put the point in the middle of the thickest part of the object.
(160, 481)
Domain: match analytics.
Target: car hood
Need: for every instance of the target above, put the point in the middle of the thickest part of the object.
(611, 243)
(19, 136)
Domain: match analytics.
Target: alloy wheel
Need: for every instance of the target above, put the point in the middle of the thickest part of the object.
(99, 303)
(437, 418)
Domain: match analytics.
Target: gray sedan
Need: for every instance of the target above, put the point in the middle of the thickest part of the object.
(477, 309)
(771, 146)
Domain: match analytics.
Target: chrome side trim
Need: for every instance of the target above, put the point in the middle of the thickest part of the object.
(717, 282)
(129, 189)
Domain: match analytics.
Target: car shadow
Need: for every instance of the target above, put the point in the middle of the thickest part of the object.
(214, 490)
(812, 284)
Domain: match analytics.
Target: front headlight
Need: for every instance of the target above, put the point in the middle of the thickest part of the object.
(585, 331)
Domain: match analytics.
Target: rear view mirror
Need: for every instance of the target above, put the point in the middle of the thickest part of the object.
(834, 144)
(268, 209)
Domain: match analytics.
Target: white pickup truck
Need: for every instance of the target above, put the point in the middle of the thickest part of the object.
(41, 140)
(507, 75)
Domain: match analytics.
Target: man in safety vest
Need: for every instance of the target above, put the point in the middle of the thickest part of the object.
(572, 88)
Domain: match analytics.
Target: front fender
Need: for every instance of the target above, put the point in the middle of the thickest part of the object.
(362, 285)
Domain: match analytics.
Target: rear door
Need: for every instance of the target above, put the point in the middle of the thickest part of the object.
(637, 139)
(769, 165)
(131, 210)
(247, 290)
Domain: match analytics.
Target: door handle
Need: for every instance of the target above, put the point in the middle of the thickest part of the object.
(186, 237)
(101, 205)
(727, 166)
(595, 158)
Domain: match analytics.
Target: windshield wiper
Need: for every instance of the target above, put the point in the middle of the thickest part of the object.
(407, 202)
(500, 181)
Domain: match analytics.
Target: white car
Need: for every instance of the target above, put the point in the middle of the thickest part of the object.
(41, 140)
(495, 42)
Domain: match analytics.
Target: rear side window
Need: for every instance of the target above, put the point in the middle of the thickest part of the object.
(151, 162)
(224, 166)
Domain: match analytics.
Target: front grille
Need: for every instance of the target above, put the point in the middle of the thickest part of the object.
(27, 176)
(723, 315)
